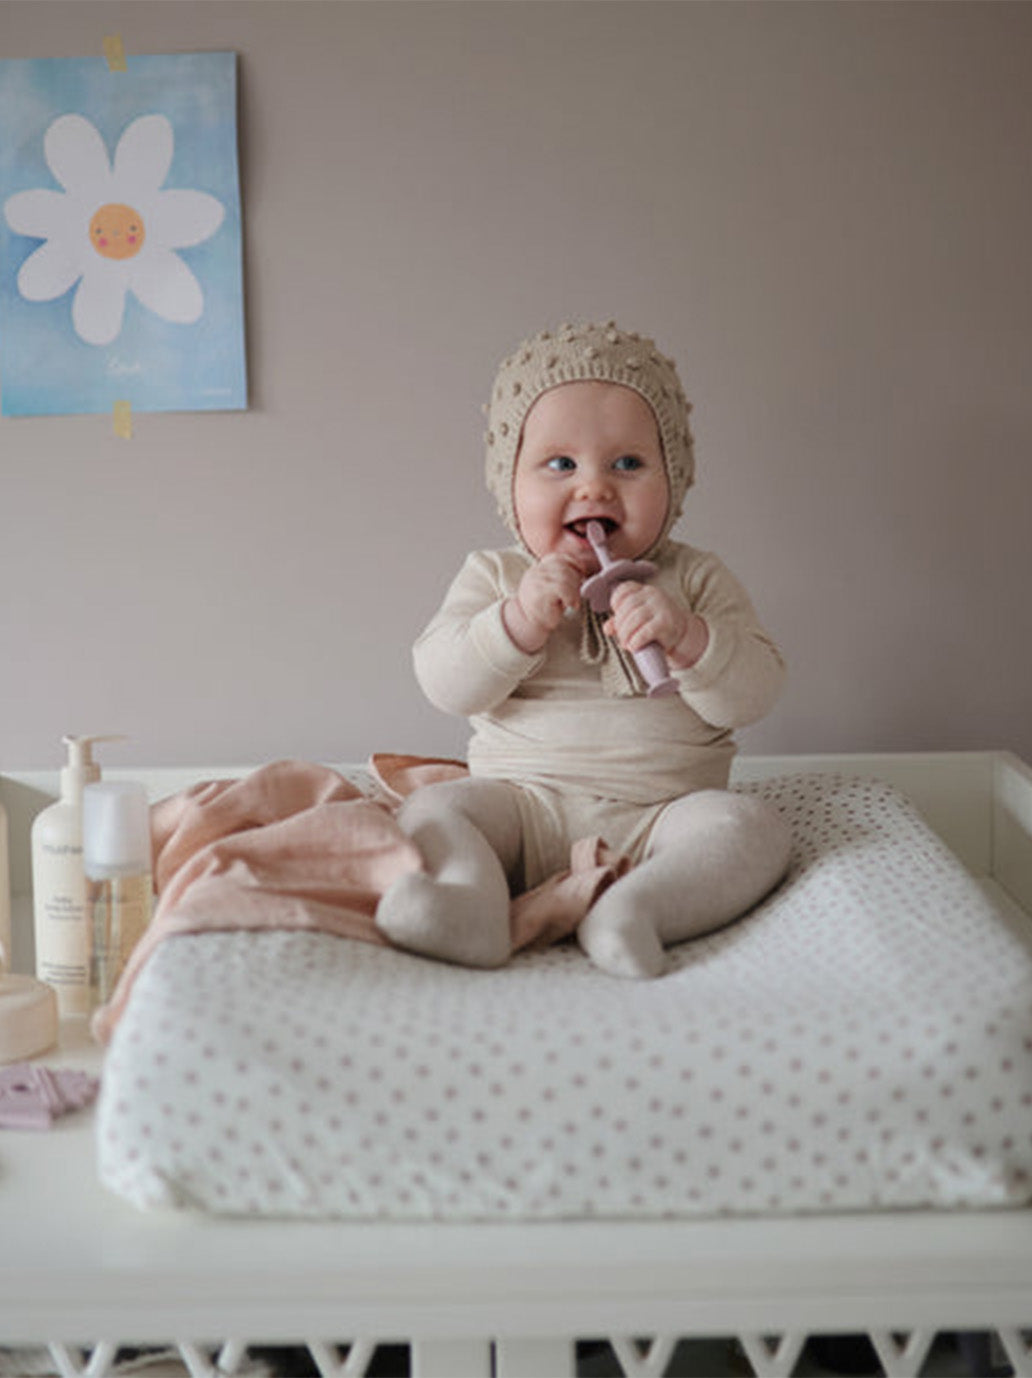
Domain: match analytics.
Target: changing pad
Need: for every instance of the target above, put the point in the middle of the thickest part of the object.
(861, 1040)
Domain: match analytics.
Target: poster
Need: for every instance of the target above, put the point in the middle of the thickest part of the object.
(121, 269)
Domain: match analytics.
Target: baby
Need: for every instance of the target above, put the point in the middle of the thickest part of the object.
(590, 424)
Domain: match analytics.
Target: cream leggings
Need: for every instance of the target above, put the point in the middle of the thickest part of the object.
(709, 857)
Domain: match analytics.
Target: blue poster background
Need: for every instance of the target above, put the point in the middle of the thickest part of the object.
(154, 364)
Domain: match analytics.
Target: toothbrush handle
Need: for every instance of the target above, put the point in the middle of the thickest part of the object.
(653, 668)
(650, 660)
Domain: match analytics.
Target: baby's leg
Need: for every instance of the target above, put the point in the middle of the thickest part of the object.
(468, 833)
(712, 855)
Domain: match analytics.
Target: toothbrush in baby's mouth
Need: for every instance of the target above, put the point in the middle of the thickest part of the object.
(650, 660)
(596, 534)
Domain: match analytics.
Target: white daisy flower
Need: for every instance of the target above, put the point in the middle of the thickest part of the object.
(112, 230)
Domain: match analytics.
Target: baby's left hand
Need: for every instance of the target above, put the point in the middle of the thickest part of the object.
(641, 613)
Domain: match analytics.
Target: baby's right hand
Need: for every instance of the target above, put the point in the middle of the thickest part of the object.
(545, 592)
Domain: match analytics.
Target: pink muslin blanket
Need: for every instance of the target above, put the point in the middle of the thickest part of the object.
(297, 846)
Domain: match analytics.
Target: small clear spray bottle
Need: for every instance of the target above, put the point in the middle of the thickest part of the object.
(116, 853)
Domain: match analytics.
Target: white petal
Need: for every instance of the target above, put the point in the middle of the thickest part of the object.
(77, 156)
(49, 272)
(144, 155)
(39, 213)
(98, 307)
(163, 282)
(182, 218)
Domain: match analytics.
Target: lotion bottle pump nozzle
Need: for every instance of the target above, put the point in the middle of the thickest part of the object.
(81, 769)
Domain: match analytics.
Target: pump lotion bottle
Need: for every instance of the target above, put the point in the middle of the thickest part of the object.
(62, 928)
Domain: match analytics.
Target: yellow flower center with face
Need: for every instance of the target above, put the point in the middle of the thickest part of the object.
(116, 231)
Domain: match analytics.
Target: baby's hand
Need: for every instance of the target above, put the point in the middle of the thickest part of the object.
(545, 592)
(642, 613)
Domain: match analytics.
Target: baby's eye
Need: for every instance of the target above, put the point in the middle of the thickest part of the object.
(626, 462)
(561, 463)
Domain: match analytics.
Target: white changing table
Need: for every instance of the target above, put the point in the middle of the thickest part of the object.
(85, 1272)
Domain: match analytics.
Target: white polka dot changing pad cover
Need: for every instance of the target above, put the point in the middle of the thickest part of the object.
(861, 1040)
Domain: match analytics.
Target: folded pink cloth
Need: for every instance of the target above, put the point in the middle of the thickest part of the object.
(296, 846)
(32, 1097)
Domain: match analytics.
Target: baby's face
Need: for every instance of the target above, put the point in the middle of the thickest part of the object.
(590, 451)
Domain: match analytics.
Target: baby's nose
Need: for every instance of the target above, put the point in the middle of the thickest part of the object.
(595, 483)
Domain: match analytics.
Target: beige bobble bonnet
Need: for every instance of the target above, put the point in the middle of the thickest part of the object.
(580, 353)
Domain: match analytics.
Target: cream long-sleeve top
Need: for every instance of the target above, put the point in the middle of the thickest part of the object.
(544, 719)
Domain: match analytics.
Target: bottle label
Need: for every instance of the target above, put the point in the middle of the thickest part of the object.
(62, 937)
(60, 849)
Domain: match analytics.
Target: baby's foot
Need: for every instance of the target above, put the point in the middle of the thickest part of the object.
(448, 922)
(620, 944)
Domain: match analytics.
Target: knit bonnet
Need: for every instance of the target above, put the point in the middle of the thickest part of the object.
(582, 353)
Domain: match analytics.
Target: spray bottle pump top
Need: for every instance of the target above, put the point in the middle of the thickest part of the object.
(81, 769)
(115, 829)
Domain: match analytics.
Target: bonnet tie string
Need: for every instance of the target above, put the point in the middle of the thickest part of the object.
(619, 674)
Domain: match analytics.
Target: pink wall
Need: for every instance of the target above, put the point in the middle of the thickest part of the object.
(823, 211)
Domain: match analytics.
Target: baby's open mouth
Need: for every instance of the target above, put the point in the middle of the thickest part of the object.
(580, 527)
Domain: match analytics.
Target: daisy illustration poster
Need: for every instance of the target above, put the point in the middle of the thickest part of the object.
(121, 272)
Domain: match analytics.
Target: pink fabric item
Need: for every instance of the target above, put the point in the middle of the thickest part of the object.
(296, 846)
(292, 845)
(32, 1097)
(553, 910)
(398, 775)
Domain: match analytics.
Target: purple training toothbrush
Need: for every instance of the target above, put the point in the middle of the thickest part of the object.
(650, 660)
